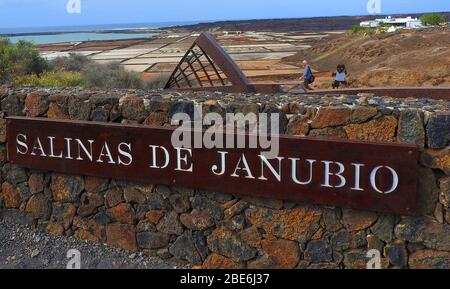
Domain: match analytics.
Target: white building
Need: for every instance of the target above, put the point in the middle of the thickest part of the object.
(396, 23)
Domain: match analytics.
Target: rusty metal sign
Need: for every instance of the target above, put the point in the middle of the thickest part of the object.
(206, 66)
(369, 176)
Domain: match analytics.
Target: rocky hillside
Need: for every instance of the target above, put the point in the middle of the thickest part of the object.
(407, 58)
(312, 24)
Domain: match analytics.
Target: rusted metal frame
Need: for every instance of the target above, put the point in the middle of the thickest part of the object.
(188, 75)
(195, 73)
(202, 66)
(176, 83)
(223, 61)
(210, 62)
(214, 67)
(197, 70)
(186, 78)
(215, 56)
(178, 66)
(169, 83)
(218, 60)
(174, 80)
(181, 61)
(181, 70)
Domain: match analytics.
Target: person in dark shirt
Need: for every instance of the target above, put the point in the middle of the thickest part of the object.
(307, 77)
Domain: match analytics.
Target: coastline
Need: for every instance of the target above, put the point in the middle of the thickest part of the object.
(312, 24)
(125, 31)
(265, 55)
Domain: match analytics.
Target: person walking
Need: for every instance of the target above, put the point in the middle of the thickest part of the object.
(307, 77)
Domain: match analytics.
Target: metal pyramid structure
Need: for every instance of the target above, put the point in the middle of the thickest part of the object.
(206, 66)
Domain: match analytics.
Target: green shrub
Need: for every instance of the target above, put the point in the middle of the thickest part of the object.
(17, 60)
(356, 29)
(52, 79)
(361, 30)
(74, 62)
(110, 75)
(21, 64)
(432, 19)
(77, 70)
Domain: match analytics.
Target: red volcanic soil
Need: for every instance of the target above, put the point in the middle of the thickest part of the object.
(407, 58)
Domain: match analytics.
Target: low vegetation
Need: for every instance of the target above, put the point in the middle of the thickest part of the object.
(432, 19)
(21, 64)
(19, 60)
(73, 63)
(358, 29)
(52, 79)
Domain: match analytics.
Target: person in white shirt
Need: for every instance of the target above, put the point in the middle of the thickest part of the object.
(340, 76)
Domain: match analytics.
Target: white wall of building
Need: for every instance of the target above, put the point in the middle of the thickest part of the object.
(407, 22)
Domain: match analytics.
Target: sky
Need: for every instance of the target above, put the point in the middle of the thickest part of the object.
(44, 13)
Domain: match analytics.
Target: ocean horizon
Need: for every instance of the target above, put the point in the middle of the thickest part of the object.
(78, 33)
(95, 27)
(40, 39)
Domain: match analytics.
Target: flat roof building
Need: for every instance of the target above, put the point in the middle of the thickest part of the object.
(407, 22)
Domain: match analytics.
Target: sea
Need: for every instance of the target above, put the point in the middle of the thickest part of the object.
(60, 34)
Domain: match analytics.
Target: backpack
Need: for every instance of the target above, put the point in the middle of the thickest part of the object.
(312, 78)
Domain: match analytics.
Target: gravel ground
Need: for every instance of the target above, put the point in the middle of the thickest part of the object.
(22, 247)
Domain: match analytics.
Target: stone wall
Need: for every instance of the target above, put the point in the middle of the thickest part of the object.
(216, 230)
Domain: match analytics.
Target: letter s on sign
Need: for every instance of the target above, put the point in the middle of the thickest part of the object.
(22, 144)
(125, 152)
(373, 181)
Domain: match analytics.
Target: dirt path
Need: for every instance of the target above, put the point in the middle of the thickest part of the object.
(340, 48)
(24, 248)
